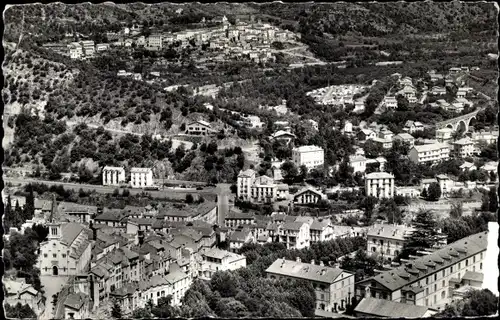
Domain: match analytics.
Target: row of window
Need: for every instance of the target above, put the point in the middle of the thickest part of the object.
(54, 255)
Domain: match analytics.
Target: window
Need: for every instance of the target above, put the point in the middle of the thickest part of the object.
(435, 276)
(474, 259)
(444, 273)
(443, 294)
(54, 255)
(451, 269)
(64, 255)
(481, 266)
(435, 287)
(322, 296)
(427, 280)
(443, 284)
(426, 291)
(45, 255)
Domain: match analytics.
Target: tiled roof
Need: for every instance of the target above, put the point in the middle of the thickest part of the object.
(398, 232)
(175, 276)
(70, 232)
(187, 211)
(293, 225)
(75, 300)
(239, 235)
(110, 216)
(404, 136)
(307, 149)
(240, 215)
(430, 147)
(447, 255)
(310, 189)
(246, 173)
(306, 271)
(391, 309)
(318, 225)
(474, 276)
(379, 175)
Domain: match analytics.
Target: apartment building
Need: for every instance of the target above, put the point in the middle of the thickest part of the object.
(113, 176)
(444, 135)
(429, 153)
(308, 195)
(320, 231)
(236, 219)
(310, 156)
(244, 184)
(431, 279)
(200, 128)
(141, 177)
(463, 148)
(155, 41)
(487, 137)
(366, 134)
(220, 260)
(295, 235)
(334, 287)
(387, 240)
(206, 212)
(66, 251)
(379, 185)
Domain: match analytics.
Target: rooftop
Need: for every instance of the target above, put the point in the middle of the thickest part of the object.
(397, 232)
(391, 309)
(379, 175)
(308, 149)
(409, 273)
(430, 147)
(303, 270)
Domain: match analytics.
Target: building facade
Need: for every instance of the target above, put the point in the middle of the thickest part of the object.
(387, 240)
(141, 177)
(334, 287)
(429, 153)
(113, 176)
(379, 185)
(310, 156)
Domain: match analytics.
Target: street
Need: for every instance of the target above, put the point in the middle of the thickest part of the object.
(223, 193)
(177, 193)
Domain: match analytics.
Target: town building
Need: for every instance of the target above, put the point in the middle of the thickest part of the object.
(66, 251)
(438, 91)
(334, 287)
(468, 166)
(383, 143)
(379, 185)
(200, 128)
(366, 134)
(413, 126)
(220, 260)
(310, 156)
(244, 184)
(405, 138)
(18, 291)
(444, 135)
(308, 195)
(155, 41)
(113, 176)
(429, 153)
(463, 148)
(141, 177)
(77, 306)
(320, 231)
(387, 240)
(410, 192)
(285, 136)
(295, 235)
(487, 137)
(358, 163)
(236, 219)
(206, 212)
(390, 102)
(239, 237)
(429, 280)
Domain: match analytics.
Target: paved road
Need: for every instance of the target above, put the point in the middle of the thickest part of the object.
(109, 189)
(51, 285)
(223, 193)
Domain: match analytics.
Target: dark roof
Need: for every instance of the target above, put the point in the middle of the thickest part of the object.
(110, 216)
(239, 235)
(187, 211)
(293, 225)
(75, 300)
(70, 232)
(240, 215)
(390, 309)
(474, 276)
(417, 270)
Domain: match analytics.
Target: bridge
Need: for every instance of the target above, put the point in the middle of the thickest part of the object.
(461, 123)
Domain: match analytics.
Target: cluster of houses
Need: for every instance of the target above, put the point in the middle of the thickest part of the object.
(251, 40)
(340, 95)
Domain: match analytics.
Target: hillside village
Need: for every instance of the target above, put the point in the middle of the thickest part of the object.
(224, 168)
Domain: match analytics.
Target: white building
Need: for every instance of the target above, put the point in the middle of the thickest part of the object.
(244, 184)
(113, 176)
(358, 163)
(66, 251)
(155, 41)
(429, 153)
(379, 185)
(487, 137)
(295, 235)
(220, 260)
(199, 127)
(390, 102)
(310, 156)
(463, 148)
(308, 195)
(141, 177)
(413, 126)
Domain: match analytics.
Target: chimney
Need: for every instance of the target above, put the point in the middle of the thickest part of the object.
(312, 261)
(140, 235)
(321, 264)
(94, 231)
(297, 259)
(367, 292)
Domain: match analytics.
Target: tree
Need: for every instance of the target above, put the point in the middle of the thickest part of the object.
(289, 171)
(434, 192)
(456, 210)
(424, 193)
(164, 308)
(29, 206)
(476, 303)
(426, 234)
(19, 311)
(116, 310)
(189, 198)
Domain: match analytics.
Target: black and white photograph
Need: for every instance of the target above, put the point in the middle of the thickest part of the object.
(250, 160)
